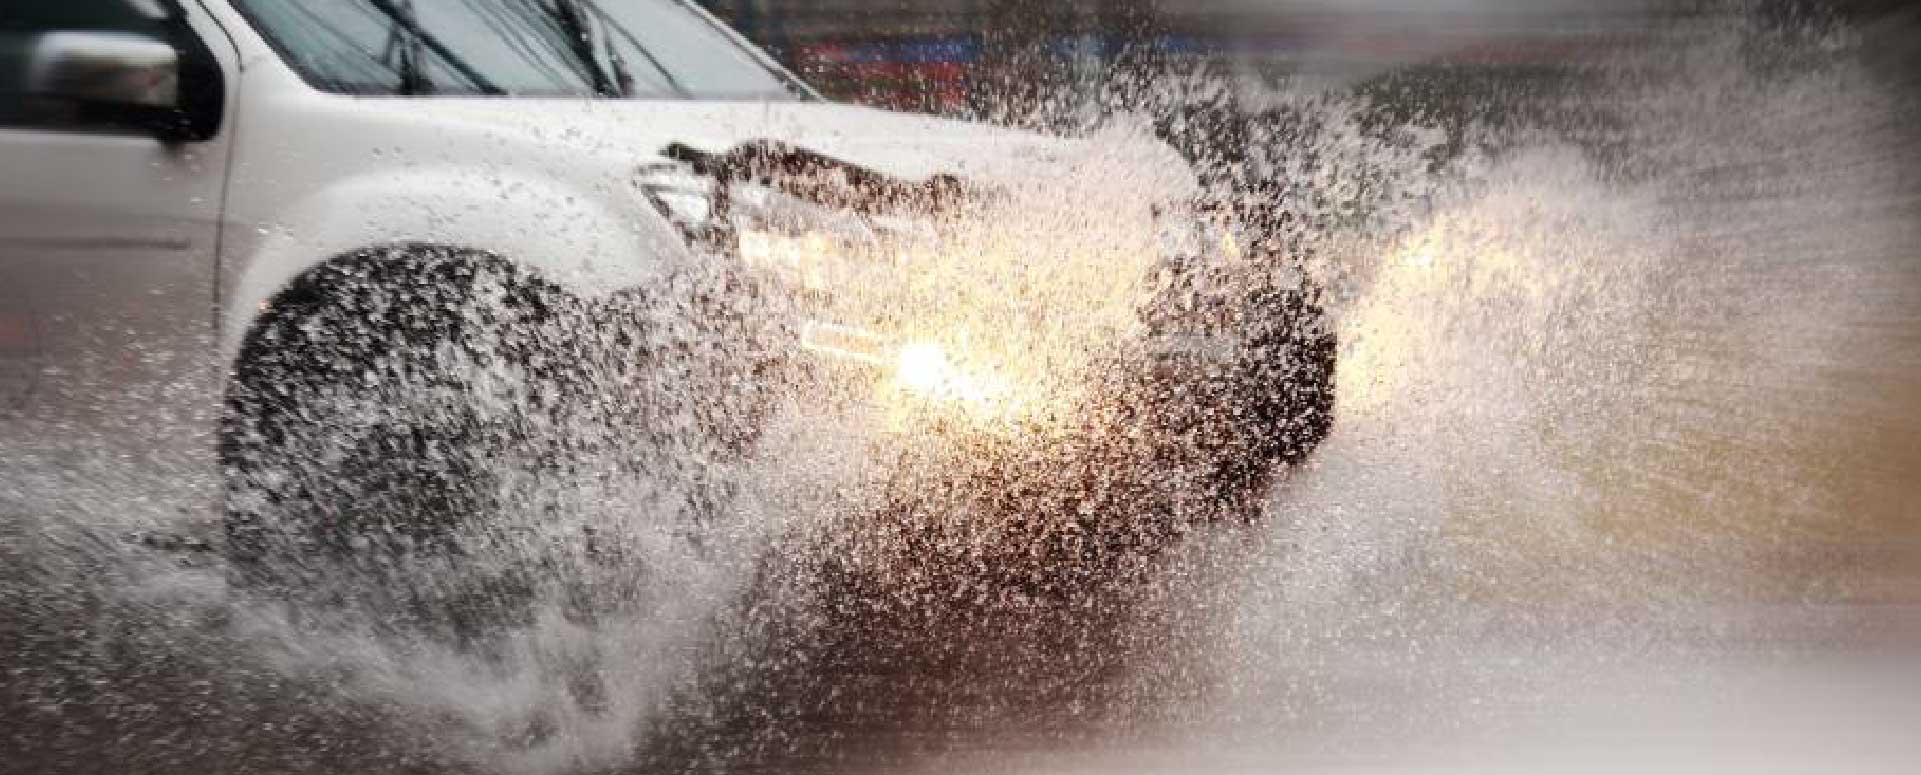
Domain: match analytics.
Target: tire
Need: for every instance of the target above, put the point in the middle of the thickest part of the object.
(373, 426)
(424, 437)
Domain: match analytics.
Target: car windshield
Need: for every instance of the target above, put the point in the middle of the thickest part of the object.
(610, 48)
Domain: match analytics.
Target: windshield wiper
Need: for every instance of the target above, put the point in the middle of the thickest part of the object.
(576, 18)
(628, 35)
(412, 80)
(405, 47)
(580, 38)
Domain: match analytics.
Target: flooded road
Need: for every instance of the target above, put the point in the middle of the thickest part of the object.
(1623, 477)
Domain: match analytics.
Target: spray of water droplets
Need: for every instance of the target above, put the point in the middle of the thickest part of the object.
(1659, 349)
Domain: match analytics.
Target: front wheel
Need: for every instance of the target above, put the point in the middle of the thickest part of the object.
(430, 437)
(384, 413)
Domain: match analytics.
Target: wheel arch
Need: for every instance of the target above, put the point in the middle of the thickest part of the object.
(336, 280)
(588, 244)
(381, 264)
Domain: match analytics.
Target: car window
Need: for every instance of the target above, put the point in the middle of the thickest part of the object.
(611, 48)
(23, 24)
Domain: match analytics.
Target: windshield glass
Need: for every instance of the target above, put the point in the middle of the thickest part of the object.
(611, 48)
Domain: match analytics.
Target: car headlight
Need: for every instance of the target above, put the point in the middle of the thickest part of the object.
(819, 249)
(806, 244)
(915, 371)
(925, 370)
(1004, 301)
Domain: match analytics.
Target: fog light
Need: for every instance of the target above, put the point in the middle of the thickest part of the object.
(926, 371)
(924, 368)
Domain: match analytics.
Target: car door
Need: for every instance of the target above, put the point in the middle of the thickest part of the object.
(108, 222)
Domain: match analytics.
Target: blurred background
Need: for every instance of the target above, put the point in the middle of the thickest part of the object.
(957, 57)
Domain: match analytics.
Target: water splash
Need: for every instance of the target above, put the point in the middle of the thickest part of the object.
(1664, 355)
(1623, 385)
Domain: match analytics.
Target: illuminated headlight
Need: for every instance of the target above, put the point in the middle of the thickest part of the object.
(922, 371)
(926, 371)
(836, 254)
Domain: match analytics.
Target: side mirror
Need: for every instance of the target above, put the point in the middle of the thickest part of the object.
(114, 78)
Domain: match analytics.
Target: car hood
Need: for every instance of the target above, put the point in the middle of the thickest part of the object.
(903, 145)
(1028, 290)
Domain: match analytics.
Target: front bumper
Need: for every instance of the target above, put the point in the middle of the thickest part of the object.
(1186, 427)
